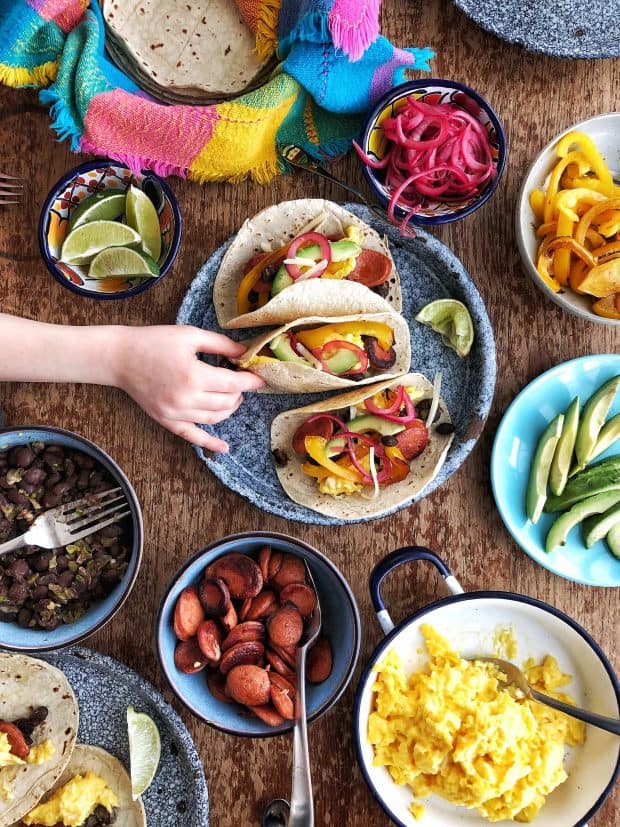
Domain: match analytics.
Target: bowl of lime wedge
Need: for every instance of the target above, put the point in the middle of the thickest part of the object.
(109, 233)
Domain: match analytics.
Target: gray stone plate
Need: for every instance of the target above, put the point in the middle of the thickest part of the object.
(563, 28)
(428, 271)
(104, 689)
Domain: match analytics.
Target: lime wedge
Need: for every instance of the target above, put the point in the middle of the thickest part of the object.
(144, 750)
(451, 319)
(115, 262)
(105, 206)
(83, 243)
(142, 216)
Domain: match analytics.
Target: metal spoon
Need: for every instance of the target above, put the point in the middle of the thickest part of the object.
(515, 677)
(302, 805)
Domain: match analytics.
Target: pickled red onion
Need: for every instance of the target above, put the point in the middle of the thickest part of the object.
(435, 152)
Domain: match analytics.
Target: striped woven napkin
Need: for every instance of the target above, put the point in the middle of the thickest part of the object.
(333, 64)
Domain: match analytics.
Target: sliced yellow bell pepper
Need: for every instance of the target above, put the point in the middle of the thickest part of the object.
(569, 202)
(252, 276)
(315, 470)
(554, 181)
(589, 217)
(537, 203)
(319, 336)
(316, 449)
(543, 265)
(602, 280)
(595, 159)
(561, 258)
(607, 307)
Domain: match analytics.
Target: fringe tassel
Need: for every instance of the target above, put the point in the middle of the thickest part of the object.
(267, 28)
(63, 122)
(262, 174)
(355, 39)
(41, 75)
(136, 163)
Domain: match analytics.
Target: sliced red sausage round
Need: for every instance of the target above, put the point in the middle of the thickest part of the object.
(320, 427)
(371, 268)
(413, 440)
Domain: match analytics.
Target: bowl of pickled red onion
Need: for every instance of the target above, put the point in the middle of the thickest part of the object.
(433, 152)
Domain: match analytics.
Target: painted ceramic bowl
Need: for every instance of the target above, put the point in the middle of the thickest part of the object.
(433, 91)
(73, 188)
(18, 639)
(470, 623)
(604, 130)
(341, 625)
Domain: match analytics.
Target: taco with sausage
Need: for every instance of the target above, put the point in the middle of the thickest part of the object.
(303, 244)
(363, 453)
(38, 729)
(93, 791)
(324, 352)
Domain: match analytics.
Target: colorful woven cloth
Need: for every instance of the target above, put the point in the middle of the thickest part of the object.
(333, 66)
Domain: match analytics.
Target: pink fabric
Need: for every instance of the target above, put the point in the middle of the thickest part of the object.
(354, 25)
(67, 15)
(167, 139)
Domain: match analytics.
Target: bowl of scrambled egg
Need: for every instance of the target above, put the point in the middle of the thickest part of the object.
(441, 743)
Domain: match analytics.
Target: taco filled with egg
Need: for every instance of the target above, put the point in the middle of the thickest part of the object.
(363, 453)
(308, 254)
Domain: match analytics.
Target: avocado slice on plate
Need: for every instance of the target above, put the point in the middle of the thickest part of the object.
(595, 528)
(558, 533)
(564, 452)
(613, 540)
(593, 418)
(536, 494)
(281, 348)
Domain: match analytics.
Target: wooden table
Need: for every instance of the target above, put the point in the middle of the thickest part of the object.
(185, 507)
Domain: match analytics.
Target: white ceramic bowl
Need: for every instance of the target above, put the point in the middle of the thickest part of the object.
(469, 622)
(605, 132)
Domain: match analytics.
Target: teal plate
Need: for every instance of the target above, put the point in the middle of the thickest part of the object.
(513, 449)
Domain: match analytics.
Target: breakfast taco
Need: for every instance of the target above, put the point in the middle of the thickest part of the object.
(38, 728)
(94, 790)
(322, 353)
(305, 242)
(363, 453)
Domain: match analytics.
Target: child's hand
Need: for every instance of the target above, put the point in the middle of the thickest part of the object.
(158, 367)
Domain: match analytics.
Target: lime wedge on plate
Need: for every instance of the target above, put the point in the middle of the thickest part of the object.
(451, 319)
(144, 750)
(116, 262)
(83, 243)
(105, 206)
(142, 216)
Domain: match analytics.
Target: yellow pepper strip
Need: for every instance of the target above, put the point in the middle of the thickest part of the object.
(607, 307)
(610, 225)
(545, 261)
(263, 298)
(595, 239)
(561, 258)
(592, 213)
(591, 183)
(554, 182)
(315, 470)
(569, 243)
(537, 203)
(545, 229)
(319, 336)
(594, 157)
(607, 251)
(316, 449)
(602, 280)
(253, 275)
(569, 202)
(578, 272)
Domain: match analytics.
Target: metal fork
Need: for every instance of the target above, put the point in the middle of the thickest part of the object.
(72, 521)
(301, 810)
(10, 190)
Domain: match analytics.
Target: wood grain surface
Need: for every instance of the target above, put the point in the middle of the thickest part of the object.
(185, 507)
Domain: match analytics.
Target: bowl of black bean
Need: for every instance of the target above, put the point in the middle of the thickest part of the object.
(50, 598)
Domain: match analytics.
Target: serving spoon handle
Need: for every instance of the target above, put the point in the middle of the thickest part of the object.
(302, 806)
(600, 721)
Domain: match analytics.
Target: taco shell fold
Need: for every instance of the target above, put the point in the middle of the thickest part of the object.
(304, 489)
(293, 377)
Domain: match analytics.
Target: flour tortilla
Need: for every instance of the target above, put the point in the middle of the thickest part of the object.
(292, 377)
(271, 229)
(304, 490)
(203, 46)
(26, 683)
(85, 758)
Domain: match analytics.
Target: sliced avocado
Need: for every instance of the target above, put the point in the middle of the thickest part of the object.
(281, 348)
(563, 456)
(610, 432)
(361, 424)
(597, 479)
(342, 361)
(280, 280)
(340, 250)
(536, 494)
(593, 417)
(558, 533)
(613, 540)
(595, 528)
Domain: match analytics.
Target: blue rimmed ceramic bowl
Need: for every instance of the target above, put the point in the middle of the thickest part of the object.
(433, 90)
(341, 625)
(470, 623)
(17, 639)
(66, 195)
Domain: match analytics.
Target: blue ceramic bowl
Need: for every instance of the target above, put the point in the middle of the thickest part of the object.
(515, 442)
(341, 624)
(433, 90)
(99, 176)
(12, 636)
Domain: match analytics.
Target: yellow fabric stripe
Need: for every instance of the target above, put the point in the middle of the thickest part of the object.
(267, 28)
(39, 76)
(243, 143)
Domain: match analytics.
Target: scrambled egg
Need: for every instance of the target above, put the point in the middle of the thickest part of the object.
(7, 758)
(71, 804)
(341, 269)
(336, 485)
(449, 730)
(505, 643)
(38, 755)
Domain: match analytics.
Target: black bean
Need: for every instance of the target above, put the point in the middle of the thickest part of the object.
(389, 440)
(18, 498)
(24, 616)
(62, 563)
(24, 456)
(46, 579)
(66, 578)
(113, 530)
(18, 569)
(83, 479)
(18, 592)
(34, 476)
(38, 715)
(445, 428)
(102, 815)
(42, 561)
(61, 488)
(25, 726)
(51, 500)
(280, 457)
(40, 592)
(83, 461)
(52, 479)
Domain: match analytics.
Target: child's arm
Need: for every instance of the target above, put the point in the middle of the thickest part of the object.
(156, 366)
